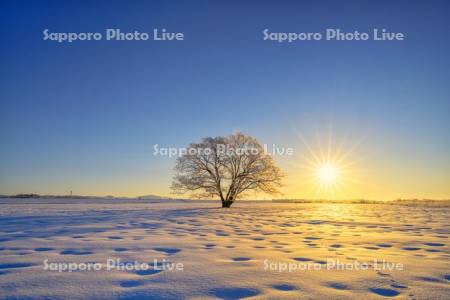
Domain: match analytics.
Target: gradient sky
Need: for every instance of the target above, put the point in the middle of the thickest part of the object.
(85, 116)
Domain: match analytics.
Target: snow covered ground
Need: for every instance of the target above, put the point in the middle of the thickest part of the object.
(255, 250)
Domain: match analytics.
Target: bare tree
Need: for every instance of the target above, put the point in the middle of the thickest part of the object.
(226, 167)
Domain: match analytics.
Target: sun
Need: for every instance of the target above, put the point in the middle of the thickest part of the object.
(327, 174)
(330, 166)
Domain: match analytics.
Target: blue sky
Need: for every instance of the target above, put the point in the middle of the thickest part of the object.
(84, 116)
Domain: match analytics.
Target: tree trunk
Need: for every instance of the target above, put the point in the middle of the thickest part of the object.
(226, 203)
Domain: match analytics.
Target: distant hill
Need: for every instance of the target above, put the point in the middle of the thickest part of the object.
(145, 197)
(153, 197)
